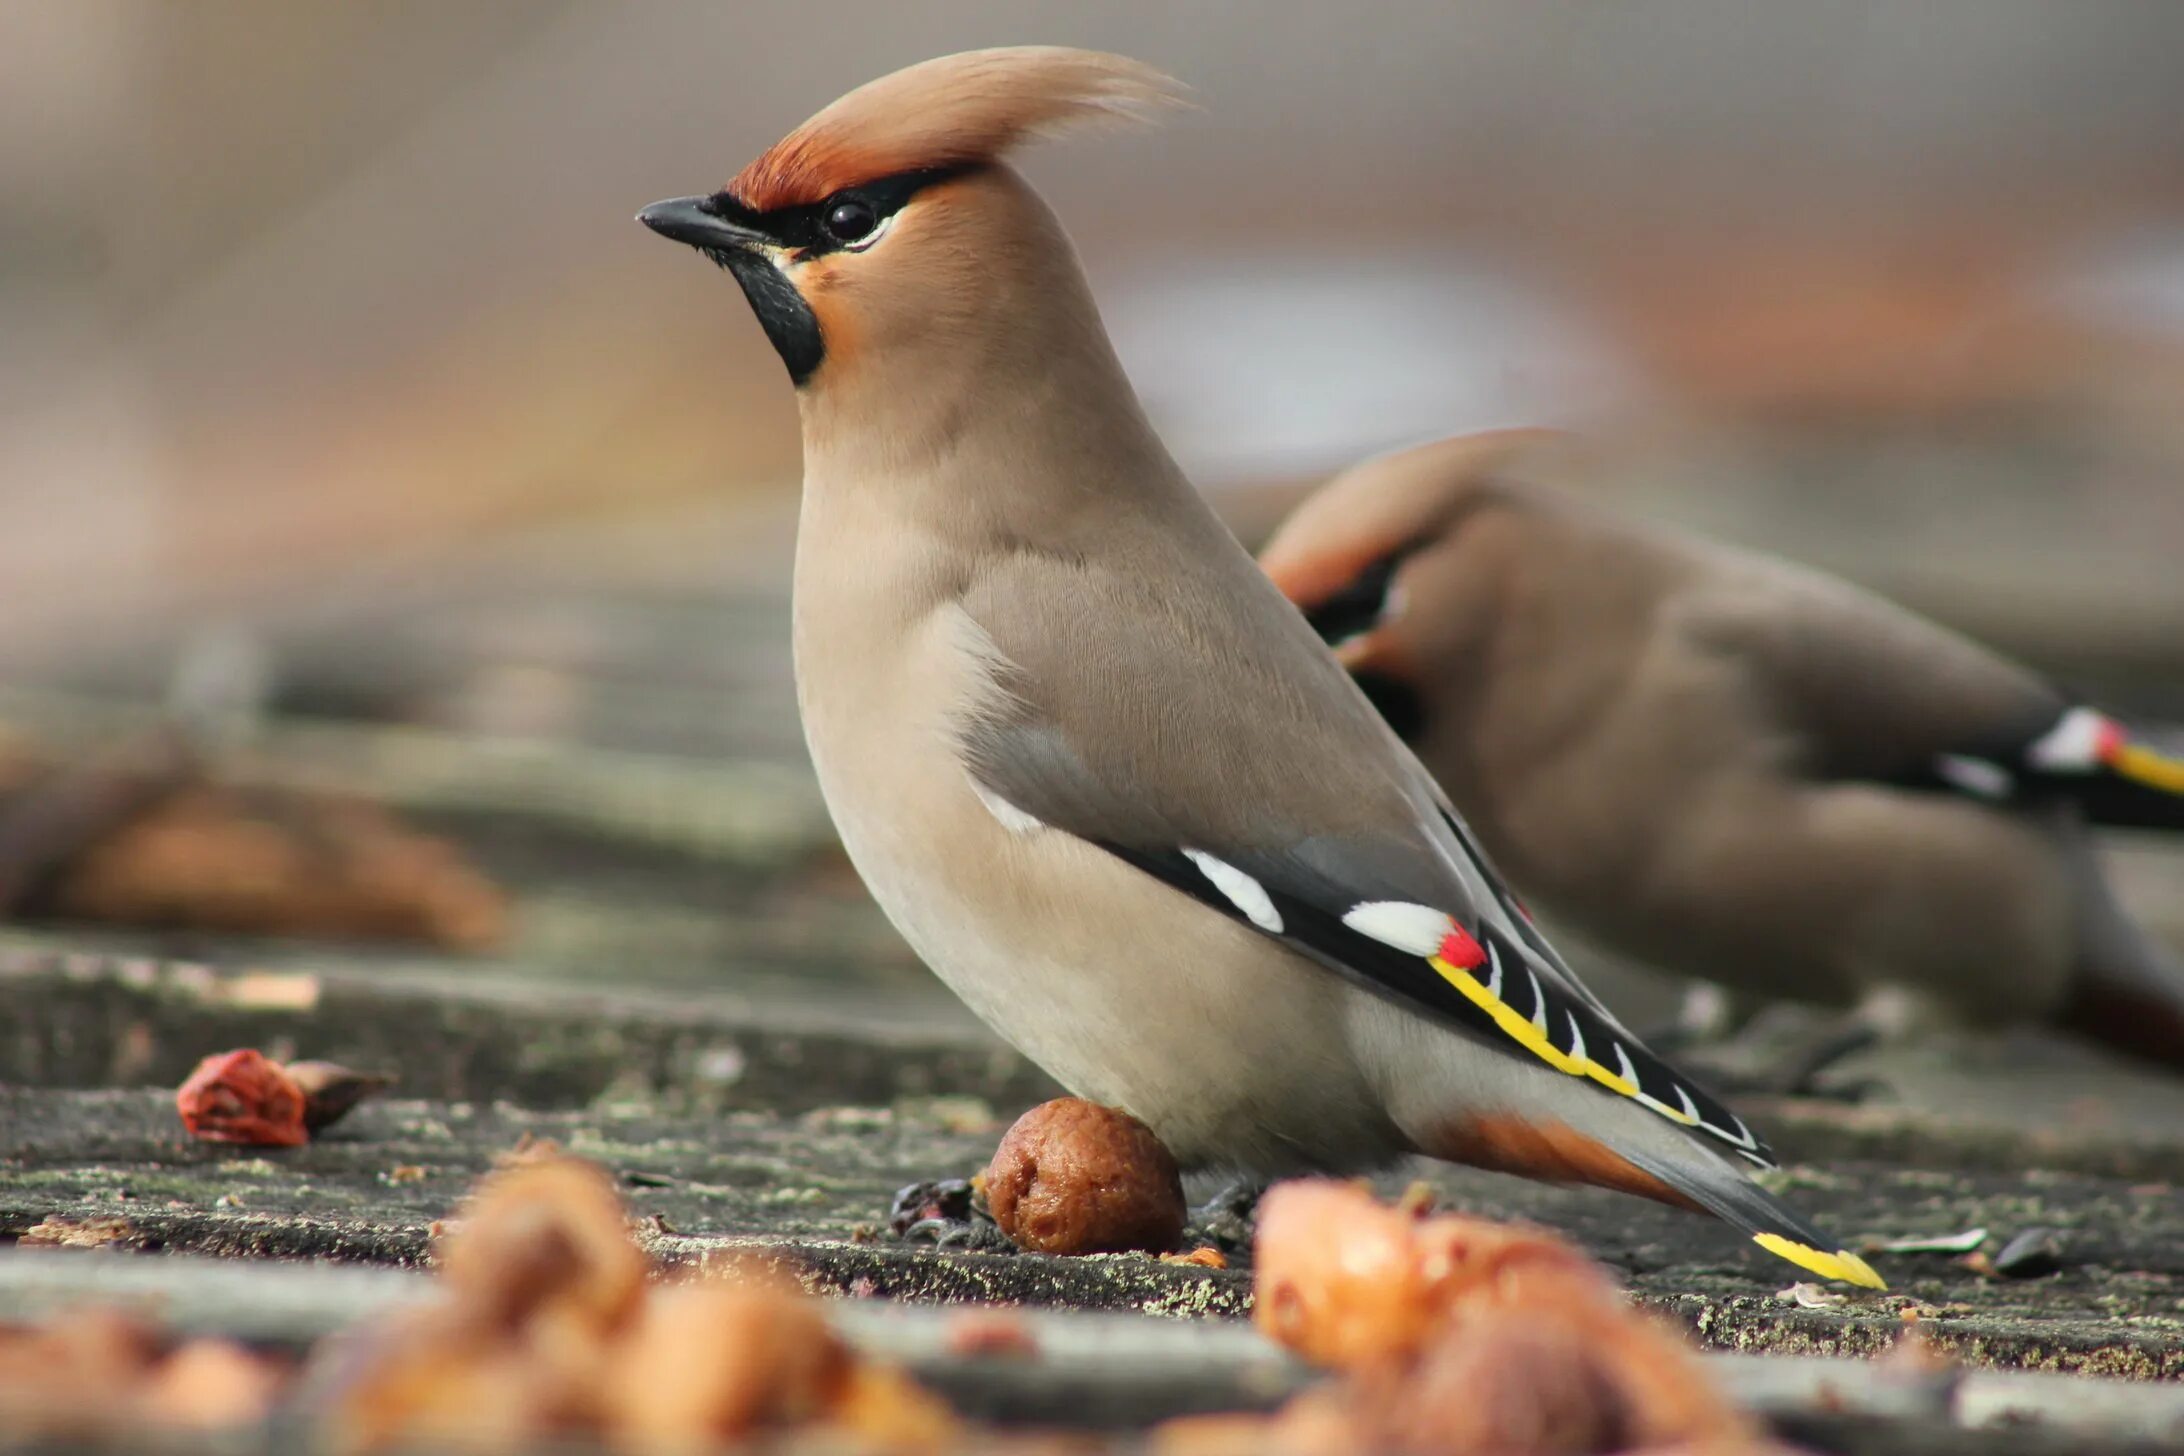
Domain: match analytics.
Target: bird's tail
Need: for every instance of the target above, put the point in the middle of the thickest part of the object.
(1725, 1192)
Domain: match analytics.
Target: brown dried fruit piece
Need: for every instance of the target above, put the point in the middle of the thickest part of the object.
(439, 1375)
(543, 1281)
(1072, 1177)
(550, 1328)
(1345, 1281)
(1506, 1380)
(880, 1409)
(708, 1363)
(211, 1383)
(243, 1097)
(93, 1372)
(546, 1241)
(1462, 1335)
(246, 1097)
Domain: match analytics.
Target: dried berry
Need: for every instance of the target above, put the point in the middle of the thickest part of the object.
(214, 1383)
(1455, 1334)
(243, 1097)
(545, 1240)
(1072, 1177)
(710, 1363)
(1344, 1280)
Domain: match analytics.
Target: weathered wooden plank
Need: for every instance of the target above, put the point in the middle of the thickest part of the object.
(814, 1185)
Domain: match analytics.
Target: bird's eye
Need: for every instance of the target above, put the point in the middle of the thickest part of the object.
(850, 219)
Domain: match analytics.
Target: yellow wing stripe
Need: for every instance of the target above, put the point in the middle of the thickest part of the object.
(1842, 1264)
(2157, 771)
(1521, 1030)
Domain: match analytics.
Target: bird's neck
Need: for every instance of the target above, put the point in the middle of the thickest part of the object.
(1025, 432)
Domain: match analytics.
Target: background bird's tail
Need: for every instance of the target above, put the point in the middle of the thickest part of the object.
(1725, 1192)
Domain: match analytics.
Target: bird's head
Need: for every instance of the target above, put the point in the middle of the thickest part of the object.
(1372, 560)
(888, 224)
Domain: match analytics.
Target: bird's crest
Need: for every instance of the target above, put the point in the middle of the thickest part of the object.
(950, 111)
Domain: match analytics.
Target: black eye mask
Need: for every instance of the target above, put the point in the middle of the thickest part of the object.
(732, 235)
(806, 227)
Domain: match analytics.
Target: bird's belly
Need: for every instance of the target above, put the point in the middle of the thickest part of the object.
(1234, 1049)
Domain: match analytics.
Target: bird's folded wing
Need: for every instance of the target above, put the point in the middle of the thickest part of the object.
(1869, 691)
(1413, 916)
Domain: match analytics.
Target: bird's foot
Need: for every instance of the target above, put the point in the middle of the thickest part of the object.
(1226, 1219)
(947, 1213)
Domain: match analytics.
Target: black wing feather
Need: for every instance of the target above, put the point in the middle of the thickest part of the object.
(1311, 906)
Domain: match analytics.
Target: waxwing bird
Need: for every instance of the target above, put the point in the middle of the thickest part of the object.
(1101, 776)
(1732, 767)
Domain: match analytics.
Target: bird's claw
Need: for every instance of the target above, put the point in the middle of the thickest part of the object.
(975, 1235)
(945, 1199)
(945, 1213)
(1226, 1219)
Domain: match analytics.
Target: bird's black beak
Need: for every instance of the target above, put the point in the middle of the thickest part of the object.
(709, 224)
(691, 220)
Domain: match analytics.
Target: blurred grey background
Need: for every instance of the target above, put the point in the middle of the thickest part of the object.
(331, 356)
(297, 299)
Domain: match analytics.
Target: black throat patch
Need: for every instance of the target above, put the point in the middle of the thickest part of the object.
(790, 325)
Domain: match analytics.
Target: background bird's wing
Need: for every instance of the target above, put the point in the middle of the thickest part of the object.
(1241, 768)
(2118, 774)
(1873, 691)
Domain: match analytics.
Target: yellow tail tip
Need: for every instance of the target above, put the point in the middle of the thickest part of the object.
(1842, 1264)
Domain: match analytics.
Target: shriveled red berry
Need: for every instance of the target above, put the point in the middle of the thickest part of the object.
(243, 1097)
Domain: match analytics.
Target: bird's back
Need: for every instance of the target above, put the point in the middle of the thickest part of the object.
(1634, 670)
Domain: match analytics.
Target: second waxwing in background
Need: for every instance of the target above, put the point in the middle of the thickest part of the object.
(1098, 772)
(1734, 768)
